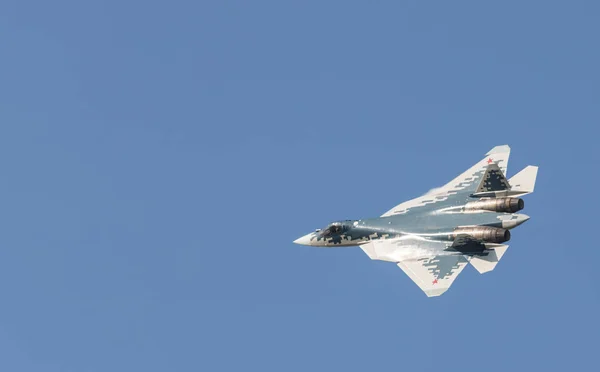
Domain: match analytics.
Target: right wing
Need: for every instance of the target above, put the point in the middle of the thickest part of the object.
(498, 155)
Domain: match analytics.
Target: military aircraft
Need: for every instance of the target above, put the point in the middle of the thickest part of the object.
(433, 237)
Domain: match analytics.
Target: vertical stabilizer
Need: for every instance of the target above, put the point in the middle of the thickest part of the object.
(493, 180)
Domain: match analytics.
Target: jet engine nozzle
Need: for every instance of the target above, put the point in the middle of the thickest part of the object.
(486, 234)
(502, 205)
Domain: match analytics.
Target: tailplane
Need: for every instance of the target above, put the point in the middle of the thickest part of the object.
(487, 263)
(523, 182)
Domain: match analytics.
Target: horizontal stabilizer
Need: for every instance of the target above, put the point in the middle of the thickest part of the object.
(524, 181)
(485, 264)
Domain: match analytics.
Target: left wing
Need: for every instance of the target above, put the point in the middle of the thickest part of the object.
(434, 275)
(498, 155)
(434, 265)
(426, 262)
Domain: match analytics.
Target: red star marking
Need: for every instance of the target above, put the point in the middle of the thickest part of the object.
(434, 282)
(489, 160)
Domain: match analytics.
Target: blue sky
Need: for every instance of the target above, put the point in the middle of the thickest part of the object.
(159, 158)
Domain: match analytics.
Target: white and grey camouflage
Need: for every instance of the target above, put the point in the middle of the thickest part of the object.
(433, 237)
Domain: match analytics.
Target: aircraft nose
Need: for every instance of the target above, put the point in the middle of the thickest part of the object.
(304, 240)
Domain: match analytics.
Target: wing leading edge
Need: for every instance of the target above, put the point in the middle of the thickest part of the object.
(498, 155)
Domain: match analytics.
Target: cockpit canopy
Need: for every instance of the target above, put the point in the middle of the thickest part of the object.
(334, 229)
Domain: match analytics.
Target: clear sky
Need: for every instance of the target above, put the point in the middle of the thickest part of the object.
(159, 158)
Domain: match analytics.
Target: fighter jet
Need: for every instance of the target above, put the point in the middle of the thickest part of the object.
(433, 237)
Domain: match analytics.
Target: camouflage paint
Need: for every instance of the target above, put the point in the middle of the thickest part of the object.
(419, 234)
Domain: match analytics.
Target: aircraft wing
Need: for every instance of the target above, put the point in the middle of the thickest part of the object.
(424, 261)
(434, 275)
(434, 265)
(498, 155)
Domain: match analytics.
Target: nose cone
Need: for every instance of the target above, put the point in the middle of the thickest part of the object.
(304, 240)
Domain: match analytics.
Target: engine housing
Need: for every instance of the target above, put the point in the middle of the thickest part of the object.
(502, 205)
(484, 233)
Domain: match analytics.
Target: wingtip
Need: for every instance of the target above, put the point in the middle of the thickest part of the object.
(499, 149)
(435, 292)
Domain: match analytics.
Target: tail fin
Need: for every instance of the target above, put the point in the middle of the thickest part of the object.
(485, 264)
(497, 156)
(493, 180)
(524, 181)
